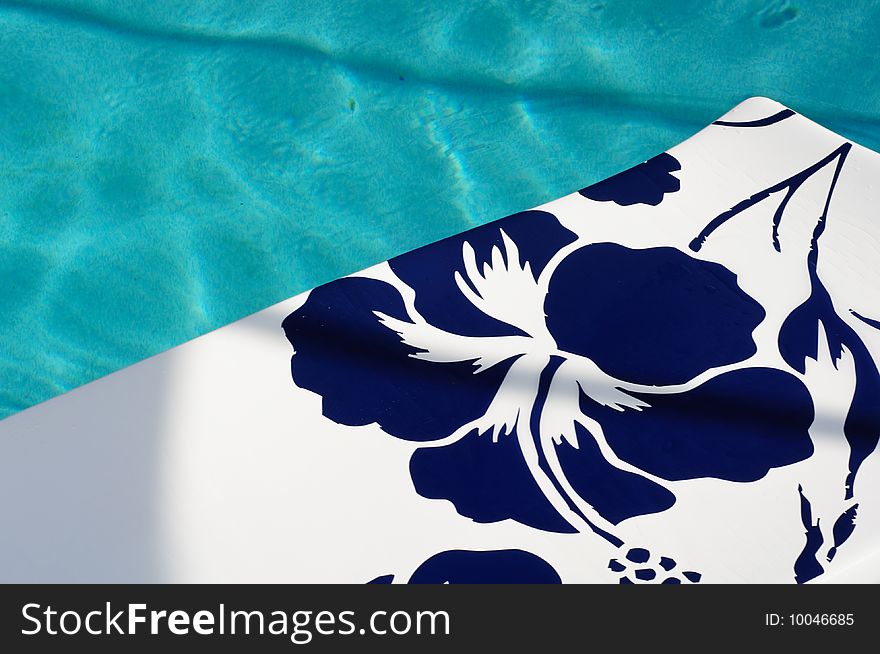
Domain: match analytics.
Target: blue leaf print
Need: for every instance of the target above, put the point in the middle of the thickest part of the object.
(648, 183)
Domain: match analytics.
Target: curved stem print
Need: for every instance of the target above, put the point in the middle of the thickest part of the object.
(760, 122)
(799, 338)
(790, 185)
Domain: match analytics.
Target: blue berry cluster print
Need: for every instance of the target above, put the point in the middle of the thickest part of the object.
(563, 383)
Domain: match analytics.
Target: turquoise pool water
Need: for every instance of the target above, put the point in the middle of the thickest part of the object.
(169, 167)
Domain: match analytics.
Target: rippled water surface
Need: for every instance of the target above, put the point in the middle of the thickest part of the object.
(169, 167)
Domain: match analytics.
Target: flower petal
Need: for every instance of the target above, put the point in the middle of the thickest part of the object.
(646, 183)
(365, 374)
(486, 481)
(430, 270)
(655, 316)
(615, 494)
(492, 567)
(736, 426)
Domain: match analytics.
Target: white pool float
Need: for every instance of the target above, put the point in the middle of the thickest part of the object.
(667, 377)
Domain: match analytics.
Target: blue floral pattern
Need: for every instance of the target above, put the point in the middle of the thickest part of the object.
(562, 384)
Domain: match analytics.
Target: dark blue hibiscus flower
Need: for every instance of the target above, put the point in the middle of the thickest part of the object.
(646, 183)
(551, 382)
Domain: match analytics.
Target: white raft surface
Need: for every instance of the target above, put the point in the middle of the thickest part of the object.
(209, 463)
